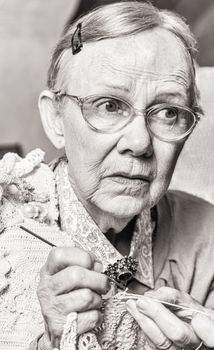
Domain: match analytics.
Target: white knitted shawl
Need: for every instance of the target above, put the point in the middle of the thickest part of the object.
(49, 195)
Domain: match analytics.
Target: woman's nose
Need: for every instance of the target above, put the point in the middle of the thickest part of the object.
(135, 138)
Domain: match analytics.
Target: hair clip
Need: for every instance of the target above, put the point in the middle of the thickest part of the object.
(76, 41)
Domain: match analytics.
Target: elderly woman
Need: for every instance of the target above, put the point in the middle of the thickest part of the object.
(122, 100)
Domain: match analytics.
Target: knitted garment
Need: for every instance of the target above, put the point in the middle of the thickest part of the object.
(25, 182)
(36, 200)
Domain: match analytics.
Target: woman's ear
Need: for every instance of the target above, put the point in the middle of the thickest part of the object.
(51, 119)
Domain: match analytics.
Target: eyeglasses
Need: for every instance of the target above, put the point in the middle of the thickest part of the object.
(108, 114)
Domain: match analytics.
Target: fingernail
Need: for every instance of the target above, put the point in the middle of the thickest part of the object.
(98, 267)
(108, 286)
(130, 304)
(149, 293)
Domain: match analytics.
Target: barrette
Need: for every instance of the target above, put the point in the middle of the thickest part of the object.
(76, 41)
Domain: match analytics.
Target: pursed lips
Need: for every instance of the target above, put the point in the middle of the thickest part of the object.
(126, 178)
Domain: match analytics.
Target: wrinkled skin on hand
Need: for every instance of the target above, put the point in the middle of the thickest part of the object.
(71, 281)
(204, 327)
(168, 327)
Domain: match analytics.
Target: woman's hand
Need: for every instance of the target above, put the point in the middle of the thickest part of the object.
(166, 328)
(204, 327)
(70, 281)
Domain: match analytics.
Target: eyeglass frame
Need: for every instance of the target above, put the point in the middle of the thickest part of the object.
(80, 101)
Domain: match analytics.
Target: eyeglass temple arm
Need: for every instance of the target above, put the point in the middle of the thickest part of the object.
(60, 94)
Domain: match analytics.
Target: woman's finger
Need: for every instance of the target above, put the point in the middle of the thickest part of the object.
(204, 328)
(88, 320)
(79, 300)
(74, 277)
(170, 295)
(149, 327)
(174, 296)
(177, 331)
(62, 257)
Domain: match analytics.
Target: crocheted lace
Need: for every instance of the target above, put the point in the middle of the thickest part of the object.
(23, 182)
(120, 331)
(29, 182)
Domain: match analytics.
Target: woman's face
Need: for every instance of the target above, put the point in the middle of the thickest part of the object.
(126, 171)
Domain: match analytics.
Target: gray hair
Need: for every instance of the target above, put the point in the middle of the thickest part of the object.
(122, 19)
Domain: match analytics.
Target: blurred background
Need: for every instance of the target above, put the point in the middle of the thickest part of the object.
(28, 31)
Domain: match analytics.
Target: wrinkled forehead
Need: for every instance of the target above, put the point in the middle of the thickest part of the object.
(154, 55)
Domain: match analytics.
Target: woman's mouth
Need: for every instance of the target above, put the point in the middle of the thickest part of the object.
(133, 180)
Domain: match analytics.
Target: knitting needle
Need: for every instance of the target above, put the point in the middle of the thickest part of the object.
(128, 296)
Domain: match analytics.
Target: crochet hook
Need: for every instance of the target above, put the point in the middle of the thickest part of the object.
(126, 296)
(37, 236)
(121, 286)
(129, 296)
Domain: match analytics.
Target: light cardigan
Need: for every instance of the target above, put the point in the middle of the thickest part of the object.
(183, 253)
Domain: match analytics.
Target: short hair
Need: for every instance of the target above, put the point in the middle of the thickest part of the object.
(122, 19)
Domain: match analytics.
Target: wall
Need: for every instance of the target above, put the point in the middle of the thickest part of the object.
(195, 168)
(28, 32)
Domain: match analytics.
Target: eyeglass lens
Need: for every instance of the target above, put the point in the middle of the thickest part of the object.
(111, 114)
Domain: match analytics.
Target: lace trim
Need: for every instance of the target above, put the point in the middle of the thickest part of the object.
(76, 221)
(69, 335)
(27, 190)
(120, 329)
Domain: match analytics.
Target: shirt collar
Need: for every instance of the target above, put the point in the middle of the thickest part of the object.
(141, 248)
(76, 221)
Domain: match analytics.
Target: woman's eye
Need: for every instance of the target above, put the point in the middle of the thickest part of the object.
(168, 113)
(165, 116)
(111, 106)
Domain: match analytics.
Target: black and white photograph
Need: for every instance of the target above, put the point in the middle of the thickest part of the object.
(106, 174)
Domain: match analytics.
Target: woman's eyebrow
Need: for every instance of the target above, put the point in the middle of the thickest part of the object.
(115, 87)
(172, 96)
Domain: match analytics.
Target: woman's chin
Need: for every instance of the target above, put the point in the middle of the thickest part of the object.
(124, 206)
